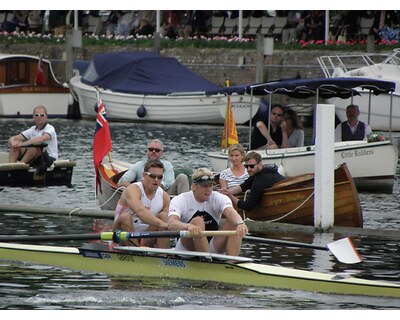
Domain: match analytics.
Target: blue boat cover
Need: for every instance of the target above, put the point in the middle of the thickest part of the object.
(144, 73)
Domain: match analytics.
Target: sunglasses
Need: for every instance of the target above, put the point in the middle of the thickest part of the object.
(155, 176)
(204, 179)
(154, 149)
(250, 165)
(277, 114)
(39, 114)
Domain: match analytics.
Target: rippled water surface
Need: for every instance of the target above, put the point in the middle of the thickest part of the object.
(24, 286)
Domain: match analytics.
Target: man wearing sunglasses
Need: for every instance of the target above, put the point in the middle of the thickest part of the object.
(261, 177)
(202, 209)
(143, 206)
(22, 146)
(271, 138)
(172, 185)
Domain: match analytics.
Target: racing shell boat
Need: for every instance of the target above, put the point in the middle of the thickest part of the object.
(192, 266)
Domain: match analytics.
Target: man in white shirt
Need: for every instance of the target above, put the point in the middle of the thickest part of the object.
(22, 145)
(202, 209)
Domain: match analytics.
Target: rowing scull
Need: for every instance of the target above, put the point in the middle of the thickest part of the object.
(169, 264)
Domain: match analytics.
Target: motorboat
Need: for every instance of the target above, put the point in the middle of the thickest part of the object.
(371, 164)
(20, 174)
(385, 67)
(28, 81)
(145, 86)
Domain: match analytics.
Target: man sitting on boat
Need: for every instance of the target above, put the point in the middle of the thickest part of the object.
(172, 185)
(264, 138)
(143, 206)
(352, 129)
(22, 145)
(261, 177)
(201, 209)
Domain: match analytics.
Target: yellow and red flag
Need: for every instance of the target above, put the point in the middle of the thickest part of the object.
(229, 136)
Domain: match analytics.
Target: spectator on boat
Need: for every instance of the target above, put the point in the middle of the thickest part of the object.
(172, 185)
(237, 173)
(261, 177)
(352, 129)
(261, 137)
(143, 206)
(202, 209)
(21, 145)
(292, 130)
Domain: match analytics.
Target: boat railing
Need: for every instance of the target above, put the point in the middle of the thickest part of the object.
(338, 65)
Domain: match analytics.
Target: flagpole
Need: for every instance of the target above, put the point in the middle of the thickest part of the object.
(227, 117)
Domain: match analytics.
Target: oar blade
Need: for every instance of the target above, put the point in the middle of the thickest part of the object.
(344, 250)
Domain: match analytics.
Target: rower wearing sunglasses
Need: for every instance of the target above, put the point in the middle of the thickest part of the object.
(28, 146)
(202, 209)
(143, 206)
(173, 185)
(261, 177)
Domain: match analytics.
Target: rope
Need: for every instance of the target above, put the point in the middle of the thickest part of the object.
(120, 188)
(280, 218)
(72, 211)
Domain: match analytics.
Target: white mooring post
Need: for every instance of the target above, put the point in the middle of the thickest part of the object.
(324, 167)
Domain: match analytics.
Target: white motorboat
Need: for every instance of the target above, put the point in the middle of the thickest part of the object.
(144, 86)
(371, 164)
(373, 66)
(21, 90)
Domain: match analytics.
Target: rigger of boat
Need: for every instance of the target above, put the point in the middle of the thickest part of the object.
(188, 265)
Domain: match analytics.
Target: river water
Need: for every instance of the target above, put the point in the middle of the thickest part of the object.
(26, 287)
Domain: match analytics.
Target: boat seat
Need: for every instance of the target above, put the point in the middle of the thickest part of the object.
(64, 163)
(14, 166)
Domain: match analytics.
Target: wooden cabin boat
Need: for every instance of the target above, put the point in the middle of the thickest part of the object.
(28, 81)
(292, 201)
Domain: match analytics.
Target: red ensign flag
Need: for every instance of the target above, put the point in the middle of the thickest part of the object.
(40, 76)
(102, 138)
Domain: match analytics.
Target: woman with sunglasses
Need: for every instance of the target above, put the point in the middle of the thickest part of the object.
(22, 146)
(292, 130)
(143, 206)
(237, 173)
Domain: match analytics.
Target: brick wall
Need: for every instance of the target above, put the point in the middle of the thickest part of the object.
(214, 64)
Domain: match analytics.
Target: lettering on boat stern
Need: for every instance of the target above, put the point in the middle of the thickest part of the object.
(284, 200)
(356, 153)
(240, 105)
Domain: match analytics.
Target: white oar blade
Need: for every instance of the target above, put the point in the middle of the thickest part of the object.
(344, 251)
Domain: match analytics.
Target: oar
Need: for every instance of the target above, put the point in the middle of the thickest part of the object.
(342, 249)
(115, 236)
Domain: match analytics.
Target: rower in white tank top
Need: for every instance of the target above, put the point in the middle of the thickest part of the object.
(155, 205)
